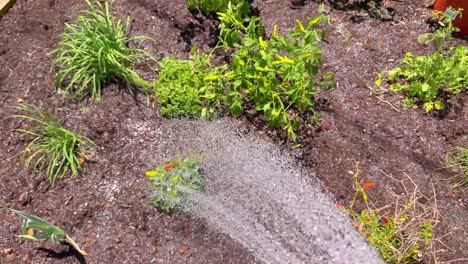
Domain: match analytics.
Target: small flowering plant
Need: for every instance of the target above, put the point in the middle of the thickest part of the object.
(174, 182)
(400, 238)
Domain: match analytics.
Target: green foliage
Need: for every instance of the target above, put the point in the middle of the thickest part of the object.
(94, 48)
(36, 228)
(174, 182)
(189, 87)
(281, 75)
(402, 237)
(439, 37)
(53, 149)
(211, 7)
(457, 158)
(427, 79)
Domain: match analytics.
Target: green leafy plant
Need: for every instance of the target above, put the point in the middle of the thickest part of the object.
(428, 79)
(404, 237)
(280, 75)
(457, 158)
(210, 7)
(445, 31)
(93, 49)
(53, 149)
(189, 87)
(35, 228)
(174, 183)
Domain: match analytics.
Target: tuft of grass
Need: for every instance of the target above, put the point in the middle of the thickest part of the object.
(94, 48)
(457, 158)
(35, 228)
(53, 149)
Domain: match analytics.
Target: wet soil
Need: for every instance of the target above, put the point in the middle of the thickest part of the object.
(107, 210)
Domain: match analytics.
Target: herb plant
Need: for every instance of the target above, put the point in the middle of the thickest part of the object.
(457, 158)
(93, 49)
(174, 182)
(444, 32)
(36, 228)
(53, 149)
(189, 87)
(211, 7)
(280, 75)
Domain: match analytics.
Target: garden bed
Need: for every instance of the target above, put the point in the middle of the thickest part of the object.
(108, 209)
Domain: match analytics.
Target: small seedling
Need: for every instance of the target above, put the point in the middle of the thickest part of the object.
(53, 149)
(457, 158)
(174, 183)
(444, 32)
(93, 49)
(35, 228)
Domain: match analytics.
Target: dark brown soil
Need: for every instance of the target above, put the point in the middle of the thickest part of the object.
(107, 210)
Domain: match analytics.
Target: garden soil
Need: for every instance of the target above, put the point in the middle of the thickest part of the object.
(107, 209)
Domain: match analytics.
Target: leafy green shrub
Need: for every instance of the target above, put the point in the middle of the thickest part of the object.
(53, 149)
(457, 158)
(403, 237)
(174, 182)
(281, 75)
(189, 87)
(440, 36)
(93, 49)
(211, 7)
(427, 79)
(36, 228)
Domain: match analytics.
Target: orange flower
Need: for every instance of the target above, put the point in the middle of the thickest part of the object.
(168, 168)
(367, 185)
(386, 221)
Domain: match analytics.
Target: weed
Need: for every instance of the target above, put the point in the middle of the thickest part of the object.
(210, 7)
(53, 148)
(281, 75)
(189, 87)
(93, 49)
(404, 237)
(457, 158)
(174, 181)
(36, 228)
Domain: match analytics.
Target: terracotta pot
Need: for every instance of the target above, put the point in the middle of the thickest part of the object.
(461, 21)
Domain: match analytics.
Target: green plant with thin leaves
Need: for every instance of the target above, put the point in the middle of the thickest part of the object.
(280, 75)
(95, 48)
(35, 228)
(210, 7)
(457, 158)
(53, 149)
(190, 88)
(175, 182)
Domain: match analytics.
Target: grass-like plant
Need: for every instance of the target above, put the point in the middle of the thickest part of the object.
(53, 149)
(35, 228)
(94, 48)
(457, 158)
(174, 182)
(189, 87)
